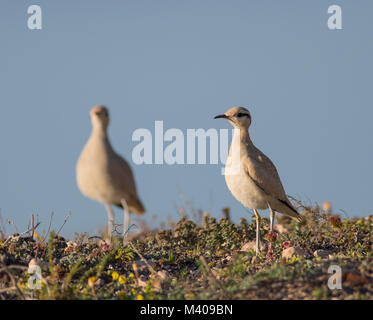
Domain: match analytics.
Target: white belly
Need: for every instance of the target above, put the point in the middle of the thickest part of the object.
(245, 191)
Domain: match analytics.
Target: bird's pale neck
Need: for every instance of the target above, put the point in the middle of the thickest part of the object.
(100, 140)
(241, 143)
(99, 135)
(242, 135)
(99, 131)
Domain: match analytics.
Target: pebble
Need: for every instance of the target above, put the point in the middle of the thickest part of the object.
(294, 251)
(280, 228)
(322, 253)
(250, 246)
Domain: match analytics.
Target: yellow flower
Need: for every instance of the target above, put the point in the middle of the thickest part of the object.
(115, 275)
(134, 266)
(133, 291)
(122, 280)
(190, 296)
(139, 297)
(91, 281)
(131, 276)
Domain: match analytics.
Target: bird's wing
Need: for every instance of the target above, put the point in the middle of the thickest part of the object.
(125, 181)
(123, 175)
(260, 169)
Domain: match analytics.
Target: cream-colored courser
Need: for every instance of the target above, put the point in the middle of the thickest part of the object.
(251, 176)
(105, 176)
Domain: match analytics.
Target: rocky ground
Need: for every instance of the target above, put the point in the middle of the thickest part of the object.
(207, 260)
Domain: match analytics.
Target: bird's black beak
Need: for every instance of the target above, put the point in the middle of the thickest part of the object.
(221, 116)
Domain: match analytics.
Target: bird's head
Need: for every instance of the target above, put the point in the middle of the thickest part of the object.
(239, 117)
(100, 117)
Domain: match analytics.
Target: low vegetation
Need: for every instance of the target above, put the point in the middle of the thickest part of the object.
(212, 259)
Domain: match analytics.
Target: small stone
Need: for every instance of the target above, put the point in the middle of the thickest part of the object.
(251, 246)
(355, 279)
(99, 282)
(141, 282)
(322, 253)
(163, 274)
(140, 265)
(280, 228)
(32, 263)
(157, 284)
(228, 258)
(70, 246)
(158, 279)
(293, 251)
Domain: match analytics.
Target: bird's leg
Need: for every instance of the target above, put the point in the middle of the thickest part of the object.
(126, 221)
(272, 235)
(110, 214)
(257, 243)
(271, 218)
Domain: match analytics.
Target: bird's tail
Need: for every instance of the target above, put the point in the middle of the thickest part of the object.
(135, 206)
(298, 218)
(290, 211)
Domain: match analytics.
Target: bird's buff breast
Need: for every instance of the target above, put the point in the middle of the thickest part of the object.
(245, 191)
(95, 182)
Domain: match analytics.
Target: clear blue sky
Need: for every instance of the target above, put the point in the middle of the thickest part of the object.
(309, 90)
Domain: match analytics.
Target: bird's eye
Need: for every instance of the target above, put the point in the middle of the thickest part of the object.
(242, 115)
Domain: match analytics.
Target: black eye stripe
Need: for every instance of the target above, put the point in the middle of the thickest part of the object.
(242, 115)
